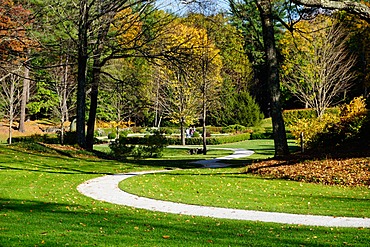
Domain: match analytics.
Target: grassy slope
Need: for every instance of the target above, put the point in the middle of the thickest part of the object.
(40, 206)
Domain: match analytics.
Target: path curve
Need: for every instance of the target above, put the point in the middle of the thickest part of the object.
(106, 189)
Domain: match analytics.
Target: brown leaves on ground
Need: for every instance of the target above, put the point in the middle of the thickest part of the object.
(330, 171)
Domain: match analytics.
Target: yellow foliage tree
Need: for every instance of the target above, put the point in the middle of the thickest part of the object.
(127, 28)
(192, 61)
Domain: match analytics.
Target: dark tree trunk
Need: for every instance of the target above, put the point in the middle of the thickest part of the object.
(93, 105)
(183, 142)
(281, 145)
(26, 85)
(204, 129)
(81, 77)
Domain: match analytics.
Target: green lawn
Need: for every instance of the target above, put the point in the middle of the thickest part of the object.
(40, 206)
(232, 189)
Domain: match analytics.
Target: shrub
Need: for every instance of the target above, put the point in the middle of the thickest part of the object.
(196, 134)
(112, 135)
(246, 111)
(167, 130)
(260, 135)
(234, 128)
(348, 129)
(70, 137)
(153, 145)
(141, 147)
(332, 130)
(214, 130)
(120, 148)
(312, 127)
(124, 133)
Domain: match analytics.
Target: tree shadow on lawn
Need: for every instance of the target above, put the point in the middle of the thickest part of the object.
(29, 222)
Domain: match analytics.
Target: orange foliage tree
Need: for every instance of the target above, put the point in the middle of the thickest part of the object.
(14, 20)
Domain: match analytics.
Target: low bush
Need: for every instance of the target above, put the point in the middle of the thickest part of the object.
(311, 128)
(214, 130)
(348, 129)
(235, 128)
(167, 130)
(121, 148)
(70, 137)
(124, 133)
(196, 134)
(112, 135)
(47, 138)
(149, 146)
(332, 130)
(259, 135)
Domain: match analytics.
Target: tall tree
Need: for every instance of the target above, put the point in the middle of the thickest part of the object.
(15, 42)
(119, 35)
(63, 86)
(87, 31)
(280, 141)
(318, 66)
(271, 68)
(179, 77)
(209, 61)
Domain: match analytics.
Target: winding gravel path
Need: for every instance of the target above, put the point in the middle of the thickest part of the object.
(106, 189)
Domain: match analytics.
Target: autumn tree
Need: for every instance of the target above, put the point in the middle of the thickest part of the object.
(14, 19)
(236, 70)
(177, 76)
(178, 99)
(317, 65)
(210, 67)
(15, 43)
(359, 11)
(209, 61)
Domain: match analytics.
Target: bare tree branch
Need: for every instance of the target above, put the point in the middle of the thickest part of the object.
(357, 8)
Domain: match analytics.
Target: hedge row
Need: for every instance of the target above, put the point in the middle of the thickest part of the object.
(210, 140)
(70, 138)
(50, 139)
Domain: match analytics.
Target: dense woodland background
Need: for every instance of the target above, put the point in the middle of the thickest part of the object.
(201, 63)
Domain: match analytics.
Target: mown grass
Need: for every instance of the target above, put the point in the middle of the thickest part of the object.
(40, 206)
(263, 149)
(233, 189)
